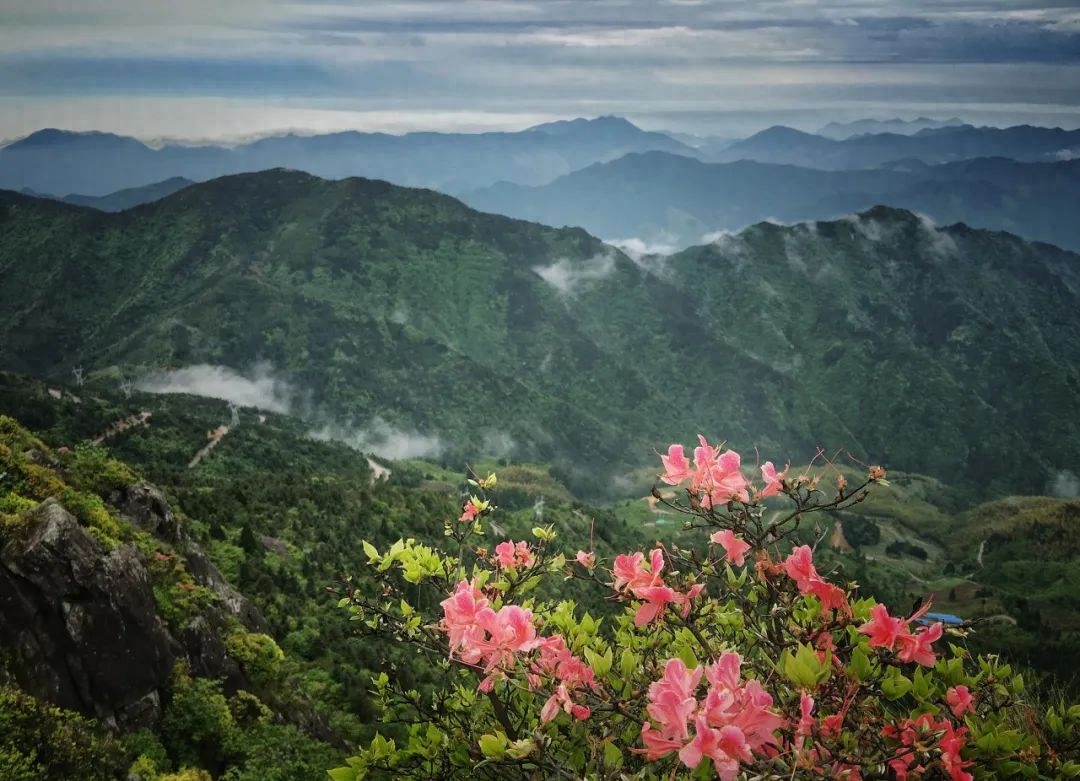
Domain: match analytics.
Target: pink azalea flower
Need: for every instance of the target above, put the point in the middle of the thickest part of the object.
(631, 574)
(657, 744)
(671, 699)
(735, 548)
(656, 599)
(774, 480)
(959, 700)
(882, 629)
(726, 747)
(726, 482)
(799, 566)
(470, 512)
(676, 466)
(704, 456)
(587, 560)
(916, 648)
(511, 556)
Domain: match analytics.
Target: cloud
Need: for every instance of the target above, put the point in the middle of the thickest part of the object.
(259, 388)
(265, 389)
(568, 277)
(941, 245)
(1065, 484)
(636, 249)
(717, 66)
(381, 438)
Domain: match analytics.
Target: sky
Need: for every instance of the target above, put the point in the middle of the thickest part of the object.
(233, 69)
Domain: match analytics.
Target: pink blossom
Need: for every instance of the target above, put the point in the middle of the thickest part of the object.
(657, 744)
(916, 648)
(959, 700)
(676, 466)
(671, 699)
(726, 747)
(511, 556)
(631, 574)
(799, 566)
(656, 599)
(774, 481)
(556, 662)
(735, 548)
(460, 612)
(882, 629)
(470, 512)
(587, 560)
(725, 481)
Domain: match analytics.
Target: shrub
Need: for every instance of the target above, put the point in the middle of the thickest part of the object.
(732, 655)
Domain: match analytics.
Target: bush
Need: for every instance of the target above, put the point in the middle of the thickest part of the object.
(731, 656)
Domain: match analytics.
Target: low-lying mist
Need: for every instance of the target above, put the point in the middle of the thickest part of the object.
(264, 388)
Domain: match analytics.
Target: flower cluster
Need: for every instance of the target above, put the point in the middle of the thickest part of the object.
(512, 556)
(481, 636)
(918, 737)
(633, 576)
(716, 478)
(555, 662)
(734, 721)
(783, 689)
(799, 566)
(891, 633)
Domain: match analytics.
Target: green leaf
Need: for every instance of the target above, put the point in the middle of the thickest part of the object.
(860, 664)
(895, 686)
(612, 755)
(493, 746)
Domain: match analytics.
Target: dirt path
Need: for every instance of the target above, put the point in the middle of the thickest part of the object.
(978, 558)
(212, 437)
(141, 419)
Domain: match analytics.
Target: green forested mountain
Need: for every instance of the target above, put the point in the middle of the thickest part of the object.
(880, 334)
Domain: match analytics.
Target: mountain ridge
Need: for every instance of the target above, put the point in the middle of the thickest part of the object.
(406, 305)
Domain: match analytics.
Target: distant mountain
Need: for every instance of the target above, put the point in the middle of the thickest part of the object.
(674, 200)
(842, 130)
(787, 146)
(97, 164)
(126, 199)
(878, 333)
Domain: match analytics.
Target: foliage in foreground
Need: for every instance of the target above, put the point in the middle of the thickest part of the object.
(735, 657)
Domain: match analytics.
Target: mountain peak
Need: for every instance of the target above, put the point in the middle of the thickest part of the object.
(608, 122)
(55, 137)
(780, 133)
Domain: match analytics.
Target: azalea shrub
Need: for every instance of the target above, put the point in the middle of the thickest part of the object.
(728, 655)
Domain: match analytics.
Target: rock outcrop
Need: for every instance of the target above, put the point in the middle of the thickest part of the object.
(79, 624)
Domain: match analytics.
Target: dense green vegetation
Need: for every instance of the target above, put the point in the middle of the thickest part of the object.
(283, 517)
(374, 301)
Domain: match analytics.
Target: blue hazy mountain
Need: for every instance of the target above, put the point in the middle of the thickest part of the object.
(785, 145)
(677, 200)
(95, 164)
(842, 130)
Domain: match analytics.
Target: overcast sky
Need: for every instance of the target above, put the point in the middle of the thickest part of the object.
(203, 69)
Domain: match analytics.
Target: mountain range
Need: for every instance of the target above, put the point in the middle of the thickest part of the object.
(96, 164)
(878, 333)
(787, 146)
(671, 201)
(842, 130)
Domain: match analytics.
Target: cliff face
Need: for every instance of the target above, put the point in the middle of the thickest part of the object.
(79, 624)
